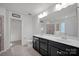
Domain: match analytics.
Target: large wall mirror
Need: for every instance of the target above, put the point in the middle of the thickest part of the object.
(62, 23)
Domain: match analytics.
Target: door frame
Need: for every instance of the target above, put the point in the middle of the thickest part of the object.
(10, 28)
(2, 34)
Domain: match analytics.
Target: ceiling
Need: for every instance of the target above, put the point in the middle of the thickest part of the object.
(27, 8)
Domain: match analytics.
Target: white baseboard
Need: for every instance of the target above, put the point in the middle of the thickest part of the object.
(4, 50)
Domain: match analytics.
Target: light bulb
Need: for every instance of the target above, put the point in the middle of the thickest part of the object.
(42, 15)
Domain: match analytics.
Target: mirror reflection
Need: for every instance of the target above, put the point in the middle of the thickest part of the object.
(61, 23)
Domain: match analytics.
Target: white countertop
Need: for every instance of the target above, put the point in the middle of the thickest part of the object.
(71, 42)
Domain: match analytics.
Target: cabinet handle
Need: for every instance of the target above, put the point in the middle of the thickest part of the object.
(58, 52)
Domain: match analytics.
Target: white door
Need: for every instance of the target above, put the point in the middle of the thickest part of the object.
(15, 30)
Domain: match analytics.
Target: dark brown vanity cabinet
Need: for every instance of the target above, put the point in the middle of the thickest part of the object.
(51, 48)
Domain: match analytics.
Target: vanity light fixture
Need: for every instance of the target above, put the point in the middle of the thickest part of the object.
(60, 6)
(42, 15)
(64, 5)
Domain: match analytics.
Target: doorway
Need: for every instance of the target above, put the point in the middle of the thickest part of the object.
(16, 32)
(1, 33)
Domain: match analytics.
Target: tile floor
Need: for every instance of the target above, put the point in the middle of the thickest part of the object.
(19, 50)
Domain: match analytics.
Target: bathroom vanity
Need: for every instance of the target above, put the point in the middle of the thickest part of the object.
(58, 33)
(55, 46)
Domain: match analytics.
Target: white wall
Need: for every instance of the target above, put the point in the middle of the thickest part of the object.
(78, 24)
(71, 27)
(78, 17)
(36, 25)
(27, 31)
(78, 20)
(6, 36)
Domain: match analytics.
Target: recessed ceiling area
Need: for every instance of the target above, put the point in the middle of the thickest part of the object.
(27, 8)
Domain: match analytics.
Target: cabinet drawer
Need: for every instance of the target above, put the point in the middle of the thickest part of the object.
(57, 52)
(36, 38)
(43, 40)
(60, 45)
(57, 45)
(72, 50)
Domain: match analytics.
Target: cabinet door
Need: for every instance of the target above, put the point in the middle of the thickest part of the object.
(36, 43)
(43, 44)
(52, 51)
(33, 42)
